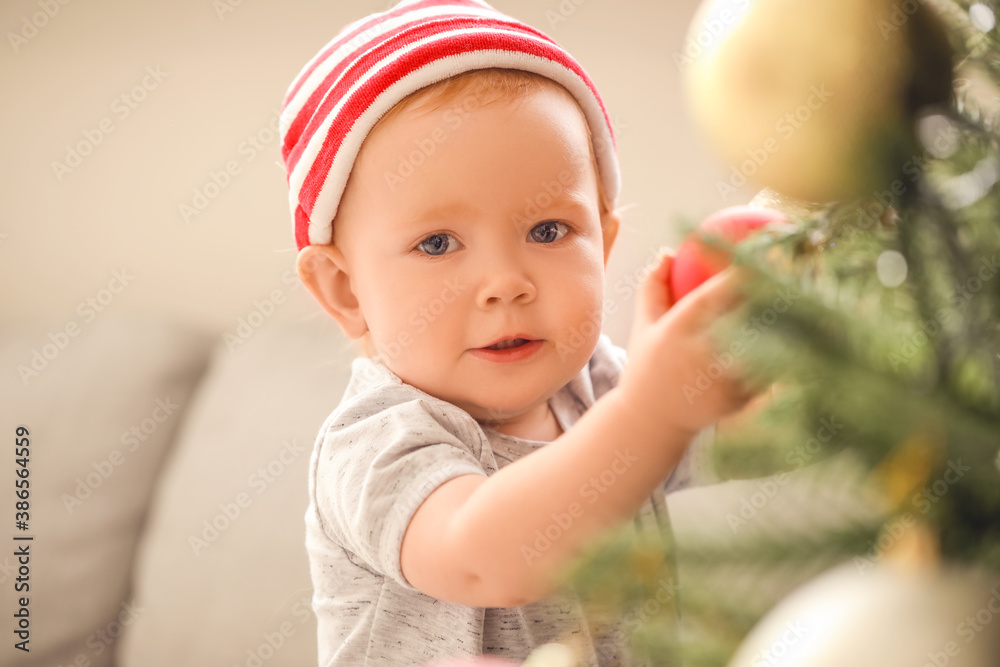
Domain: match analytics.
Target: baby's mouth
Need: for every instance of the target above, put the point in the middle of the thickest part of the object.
(511, 348)
(507, 344)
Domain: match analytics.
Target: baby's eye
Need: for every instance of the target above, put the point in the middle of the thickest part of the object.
(548, 232)
(439, 244)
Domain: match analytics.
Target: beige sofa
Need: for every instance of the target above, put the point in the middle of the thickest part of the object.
(168, 488)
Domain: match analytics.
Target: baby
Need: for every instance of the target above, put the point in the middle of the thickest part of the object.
(453, 178)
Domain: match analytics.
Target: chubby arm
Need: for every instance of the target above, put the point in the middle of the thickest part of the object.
(473, 539)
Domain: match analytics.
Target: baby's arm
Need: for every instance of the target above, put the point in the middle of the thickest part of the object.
(472, 541)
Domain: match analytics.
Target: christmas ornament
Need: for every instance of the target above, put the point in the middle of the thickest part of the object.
(882, 617)
(816, 100)
(554, 654)
(696, 261)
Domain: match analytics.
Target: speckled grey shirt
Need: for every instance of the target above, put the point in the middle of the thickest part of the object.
(377, 457)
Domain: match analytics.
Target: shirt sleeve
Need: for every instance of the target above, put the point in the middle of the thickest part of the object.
(376, 467)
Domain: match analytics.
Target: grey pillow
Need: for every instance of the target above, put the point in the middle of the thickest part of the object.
(222, 573)
(101, 403)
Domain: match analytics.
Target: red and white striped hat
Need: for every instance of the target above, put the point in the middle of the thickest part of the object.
(375, 62)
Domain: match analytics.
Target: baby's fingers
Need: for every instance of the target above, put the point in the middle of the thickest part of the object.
(654, 298)
(721, 293)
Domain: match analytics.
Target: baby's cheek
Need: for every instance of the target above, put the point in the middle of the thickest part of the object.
(587, 295)
(579, 320)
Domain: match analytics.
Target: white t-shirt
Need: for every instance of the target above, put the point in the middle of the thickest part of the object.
(377, 457)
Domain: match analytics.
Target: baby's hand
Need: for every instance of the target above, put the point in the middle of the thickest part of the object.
(670, 347)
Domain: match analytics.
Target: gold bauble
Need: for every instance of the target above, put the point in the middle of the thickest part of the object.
(815, 99)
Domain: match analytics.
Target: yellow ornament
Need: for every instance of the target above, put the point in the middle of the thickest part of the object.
(568, 652)
(816, 99)
(882, 617)
(906, 469)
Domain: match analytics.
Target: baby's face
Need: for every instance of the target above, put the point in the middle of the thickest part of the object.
(477, 253)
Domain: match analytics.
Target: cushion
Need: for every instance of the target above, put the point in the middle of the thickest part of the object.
(223, 575)
(101, 401)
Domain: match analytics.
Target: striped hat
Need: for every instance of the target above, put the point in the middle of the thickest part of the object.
(375, 62)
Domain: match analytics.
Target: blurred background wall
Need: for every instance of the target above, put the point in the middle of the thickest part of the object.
(120, 119)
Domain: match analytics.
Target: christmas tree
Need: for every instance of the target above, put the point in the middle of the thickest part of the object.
(889, 332)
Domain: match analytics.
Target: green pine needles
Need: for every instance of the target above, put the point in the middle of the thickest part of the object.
(877, 322)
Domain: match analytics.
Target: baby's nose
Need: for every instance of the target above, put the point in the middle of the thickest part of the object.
(505, 283)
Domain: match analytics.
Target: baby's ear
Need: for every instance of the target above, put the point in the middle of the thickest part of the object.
(324, 271)
(610, 222)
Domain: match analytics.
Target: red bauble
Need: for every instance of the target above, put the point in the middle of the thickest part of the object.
(696, 261)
